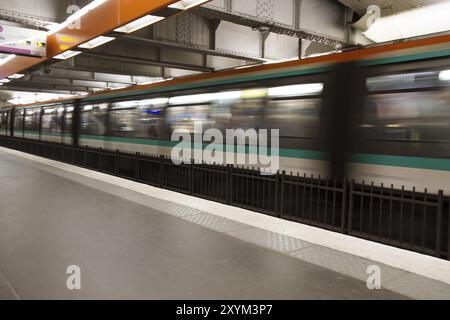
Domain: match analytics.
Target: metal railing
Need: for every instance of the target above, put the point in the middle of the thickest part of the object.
(416, 221)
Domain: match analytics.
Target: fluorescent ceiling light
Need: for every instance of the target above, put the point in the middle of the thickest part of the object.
(66, 55)
(7, 59)
(187, 4)
(139, 24)
(413, 23)
(296, 90)
(77, 15)
(16, 76)
(444, 75)
(96, 42)
(5, 80)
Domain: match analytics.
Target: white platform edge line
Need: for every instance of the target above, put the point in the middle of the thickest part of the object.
(424, 265)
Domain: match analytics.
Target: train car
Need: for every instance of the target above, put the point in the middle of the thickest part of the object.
(379, 114)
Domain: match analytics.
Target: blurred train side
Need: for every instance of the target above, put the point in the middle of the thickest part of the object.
(383, 122)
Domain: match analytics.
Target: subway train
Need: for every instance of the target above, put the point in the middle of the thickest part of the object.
(379, 114)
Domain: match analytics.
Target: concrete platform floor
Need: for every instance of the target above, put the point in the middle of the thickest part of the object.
(128, 251)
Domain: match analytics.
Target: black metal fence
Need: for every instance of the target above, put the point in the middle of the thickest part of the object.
(412, 220)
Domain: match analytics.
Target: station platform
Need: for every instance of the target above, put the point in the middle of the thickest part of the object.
(131, 242)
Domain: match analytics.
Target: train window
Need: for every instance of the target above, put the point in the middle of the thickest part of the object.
(247, 114)
(412, 80)
(150, 119)
(68, 119)
(93, 119)
(32, 120)
(185, 117)
(123, 122)
(18, 121)
(410, 116)
(142, 119)
(294, 118)
(3, 123)
(52, 118)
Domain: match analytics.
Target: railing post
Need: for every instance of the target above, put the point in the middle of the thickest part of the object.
(85, 156)
(345, 198)
(161, 164)
(448, 232)
(350, 206)
(283, 179)
(191, 177)
(99, 161)
(277, 190)
(116, 163)
(230, 184)
(439, 223)
(137, 166)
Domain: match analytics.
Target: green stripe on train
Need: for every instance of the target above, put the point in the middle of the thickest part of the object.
(402, 161)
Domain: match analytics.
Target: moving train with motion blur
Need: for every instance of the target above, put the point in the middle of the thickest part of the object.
(379, 114)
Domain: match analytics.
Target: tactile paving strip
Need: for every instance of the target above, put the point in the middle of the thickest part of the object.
(271, 240)
(344, 263)
(216, 223)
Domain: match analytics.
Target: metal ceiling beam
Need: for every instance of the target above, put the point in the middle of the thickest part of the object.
(36, 79)
(40, 87)
(25, 19)
(55, 73)
(191, 48)
(99, 69)
(39, 90)
(148, 62)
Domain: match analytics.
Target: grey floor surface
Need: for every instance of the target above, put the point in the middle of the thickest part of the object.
(127, 250)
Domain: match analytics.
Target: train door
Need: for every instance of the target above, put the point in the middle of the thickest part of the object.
(31, 123)
(67, 124)
(3, 123)
(51, 127)
(92, 127)
(18, 123)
